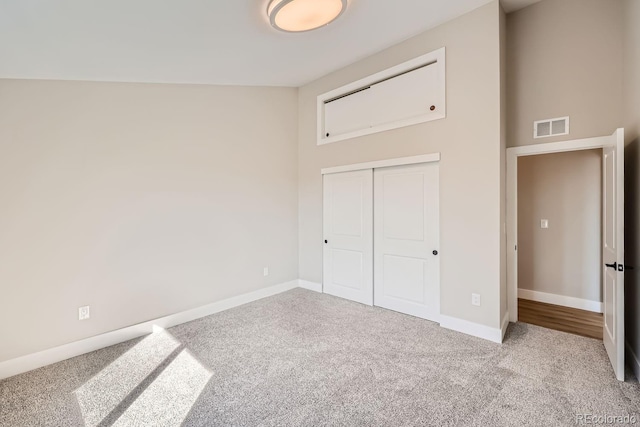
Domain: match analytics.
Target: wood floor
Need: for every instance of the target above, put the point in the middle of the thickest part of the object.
(572, 320)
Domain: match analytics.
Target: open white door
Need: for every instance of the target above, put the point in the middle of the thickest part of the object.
(348, 235)
(613, 250)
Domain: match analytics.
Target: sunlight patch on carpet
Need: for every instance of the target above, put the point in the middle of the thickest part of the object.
(99, 396)
(168, 400)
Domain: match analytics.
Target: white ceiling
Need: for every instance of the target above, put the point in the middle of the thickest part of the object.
(199, 41)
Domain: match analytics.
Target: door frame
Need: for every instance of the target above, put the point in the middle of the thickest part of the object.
(513, 153)
(398, 161)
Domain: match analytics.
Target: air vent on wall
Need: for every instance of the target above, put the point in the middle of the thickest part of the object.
(551, 127)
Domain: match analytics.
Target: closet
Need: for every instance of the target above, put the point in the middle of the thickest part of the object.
(381, 237)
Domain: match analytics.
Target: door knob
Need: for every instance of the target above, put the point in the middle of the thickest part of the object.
(614, 265)
(326, 241)
(435, 252)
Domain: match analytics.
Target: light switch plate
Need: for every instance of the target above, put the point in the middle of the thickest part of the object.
(544, 223)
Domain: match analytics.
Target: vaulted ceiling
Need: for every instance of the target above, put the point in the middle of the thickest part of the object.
(200, 41)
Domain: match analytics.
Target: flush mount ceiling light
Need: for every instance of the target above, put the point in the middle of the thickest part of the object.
(304, 15)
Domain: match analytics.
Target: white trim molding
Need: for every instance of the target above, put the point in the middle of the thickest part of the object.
(565, 301)
(472, 328)
(436, 58)
(401, 161)
(504, 325)
(632, 360)
(512, 202)
(559, 147)
(32, 361)
(312, 286)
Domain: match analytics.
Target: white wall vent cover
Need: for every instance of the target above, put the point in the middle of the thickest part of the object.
(410, 93)
(551, 127)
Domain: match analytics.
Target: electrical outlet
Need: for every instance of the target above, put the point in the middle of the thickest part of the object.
(265, 271)
(475, 299)
(84, 313)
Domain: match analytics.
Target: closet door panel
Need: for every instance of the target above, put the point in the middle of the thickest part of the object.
(406, 240)
(406, 96)
(348, 235)
(348, 114)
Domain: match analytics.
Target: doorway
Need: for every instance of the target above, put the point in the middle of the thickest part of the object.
(611, 240)
(559, 241)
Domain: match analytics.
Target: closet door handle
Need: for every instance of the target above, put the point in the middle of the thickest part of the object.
(614, 265)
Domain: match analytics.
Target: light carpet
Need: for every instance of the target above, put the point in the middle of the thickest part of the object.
(306, 359)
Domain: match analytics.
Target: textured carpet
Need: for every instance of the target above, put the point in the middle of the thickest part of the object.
(307, 359)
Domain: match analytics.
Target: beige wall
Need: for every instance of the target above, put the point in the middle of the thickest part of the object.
(565, 59)
(631, 79)
(468, 139)
(566, 189)
(503, 163)
(139, 200)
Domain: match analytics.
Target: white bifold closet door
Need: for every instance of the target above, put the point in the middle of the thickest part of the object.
(348, 235)
(406, 239)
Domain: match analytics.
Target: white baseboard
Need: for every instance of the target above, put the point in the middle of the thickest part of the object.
(504, 325)
(312, 286)
(632, 361)
(32, 361)
(582, 304)
(471, 328)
